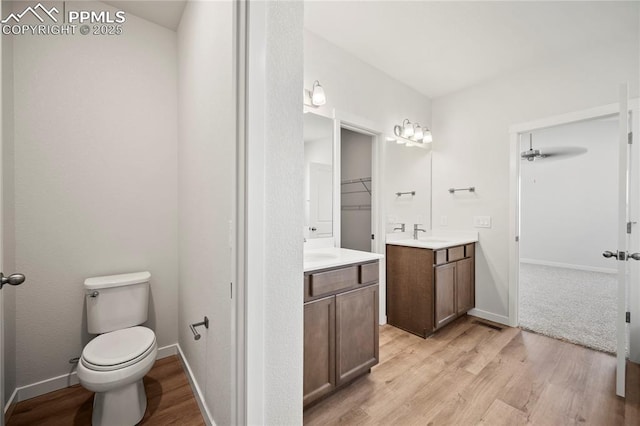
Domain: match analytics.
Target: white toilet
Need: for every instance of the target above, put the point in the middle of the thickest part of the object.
(113, 364)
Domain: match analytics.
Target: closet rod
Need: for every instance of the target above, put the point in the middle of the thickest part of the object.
(358, 180)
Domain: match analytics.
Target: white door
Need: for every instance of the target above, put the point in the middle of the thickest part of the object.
(320, 200)
(625, 230)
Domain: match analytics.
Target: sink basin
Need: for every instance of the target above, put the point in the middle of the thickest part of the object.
(313, 257)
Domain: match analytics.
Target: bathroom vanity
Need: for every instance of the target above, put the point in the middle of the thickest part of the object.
(341, 296)
(429, 282)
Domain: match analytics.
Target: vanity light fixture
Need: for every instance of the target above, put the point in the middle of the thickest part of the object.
(412, 134)
(318, 97)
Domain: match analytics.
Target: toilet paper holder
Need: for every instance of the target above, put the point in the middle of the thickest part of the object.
(196, 335)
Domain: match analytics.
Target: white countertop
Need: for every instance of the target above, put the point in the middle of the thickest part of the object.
(323, 258)
(434, 240)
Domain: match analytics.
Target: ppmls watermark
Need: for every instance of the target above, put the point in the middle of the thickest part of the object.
(55, 19)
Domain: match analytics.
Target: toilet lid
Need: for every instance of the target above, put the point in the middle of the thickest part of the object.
(118, 349)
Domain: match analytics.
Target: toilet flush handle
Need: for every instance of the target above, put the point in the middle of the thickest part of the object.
(94, 293)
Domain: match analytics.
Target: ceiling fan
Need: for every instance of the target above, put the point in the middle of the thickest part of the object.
(555, 152)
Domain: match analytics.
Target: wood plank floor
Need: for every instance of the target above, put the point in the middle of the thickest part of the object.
(169, 396)
(471, 374)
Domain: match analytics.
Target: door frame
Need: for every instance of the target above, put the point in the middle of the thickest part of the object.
(2, 322)
(346, 120)
(514, 203)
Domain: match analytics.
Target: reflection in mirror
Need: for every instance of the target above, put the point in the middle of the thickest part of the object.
(318, 176)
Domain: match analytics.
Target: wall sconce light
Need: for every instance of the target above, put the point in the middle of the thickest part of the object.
(315, 97)
(318, 97)
(412, 134)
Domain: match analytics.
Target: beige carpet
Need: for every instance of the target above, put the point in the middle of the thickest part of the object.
(568, 304)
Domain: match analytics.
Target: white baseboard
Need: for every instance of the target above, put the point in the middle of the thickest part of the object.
(11, 404)
(46, 386)
(64, 381)
(167, 351)
(500, 319)
(204, 410)
(569, 266)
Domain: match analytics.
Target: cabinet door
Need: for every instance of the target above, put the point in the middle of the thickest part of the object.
(319, 348)
(465, 288)
(445, 287)
(356, 332)
(410, 289)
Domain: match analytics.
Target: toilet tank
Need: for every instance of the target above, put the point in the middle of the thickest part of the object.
(115, 302)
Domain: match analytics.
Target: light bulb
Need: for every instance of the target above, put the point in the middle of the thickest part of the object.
(419, 133)
(427, 136)
(407, 129)
(318, 97)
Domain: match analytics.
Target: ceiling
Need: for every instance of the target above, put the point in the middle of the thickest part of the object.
(442, 47)
(166, 13)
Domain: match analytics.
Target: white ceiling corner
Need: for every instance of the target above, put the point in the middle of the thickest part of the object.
(166, 13)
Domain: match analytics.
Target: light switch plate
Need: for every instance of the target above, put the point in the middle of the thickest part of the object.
(444, 221)
(482, 221)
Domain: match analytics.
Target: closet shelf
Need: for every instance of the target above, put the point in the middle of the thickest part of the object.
(358, 180)
(357, 207)
(362, 181)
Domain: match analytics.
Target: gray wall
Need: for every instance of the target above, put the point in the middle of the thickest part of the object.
(95, 182)
(206, 152)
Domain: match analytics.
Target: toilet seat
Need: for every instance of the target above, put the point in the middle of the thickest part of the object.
(118, 349)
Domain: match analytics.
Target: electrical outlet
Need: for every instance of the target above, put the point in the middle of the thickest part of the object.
(444, 221)
(482, 221)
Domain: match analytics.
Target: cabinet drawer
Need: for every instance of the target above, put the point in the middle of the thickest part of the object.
(469, 250)
(330, 281)
(368, 273)
(455, 253)
(440, 257)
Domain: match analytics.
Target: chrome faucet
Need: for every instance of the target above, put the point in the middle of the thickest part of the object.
(399, 228)
(416, 230)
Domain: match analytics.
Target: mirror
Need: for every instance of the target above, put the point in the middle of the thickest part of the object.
(318, 176)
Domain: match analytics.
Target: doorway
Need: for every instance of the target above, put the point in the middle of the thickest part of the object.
(568, 214)
(356, 184)
(136, 181)
(627, 247)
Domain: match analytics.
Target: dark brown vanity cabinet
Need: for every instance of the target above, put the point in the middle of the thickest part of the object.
(410, 289)
(340, 327)
(319, 348)
(427, 289)
(445, 294)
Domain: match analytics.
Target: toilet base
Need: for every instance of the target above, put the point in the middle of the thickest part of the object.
(124, 406)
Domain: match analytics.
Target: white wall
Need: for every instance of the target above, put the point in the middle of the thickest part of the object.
(355, 162)
(95, 182)
(568, 207)
(8, 226)
(275, 216)
(471, 144)
(356, 89)
(206, 171)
